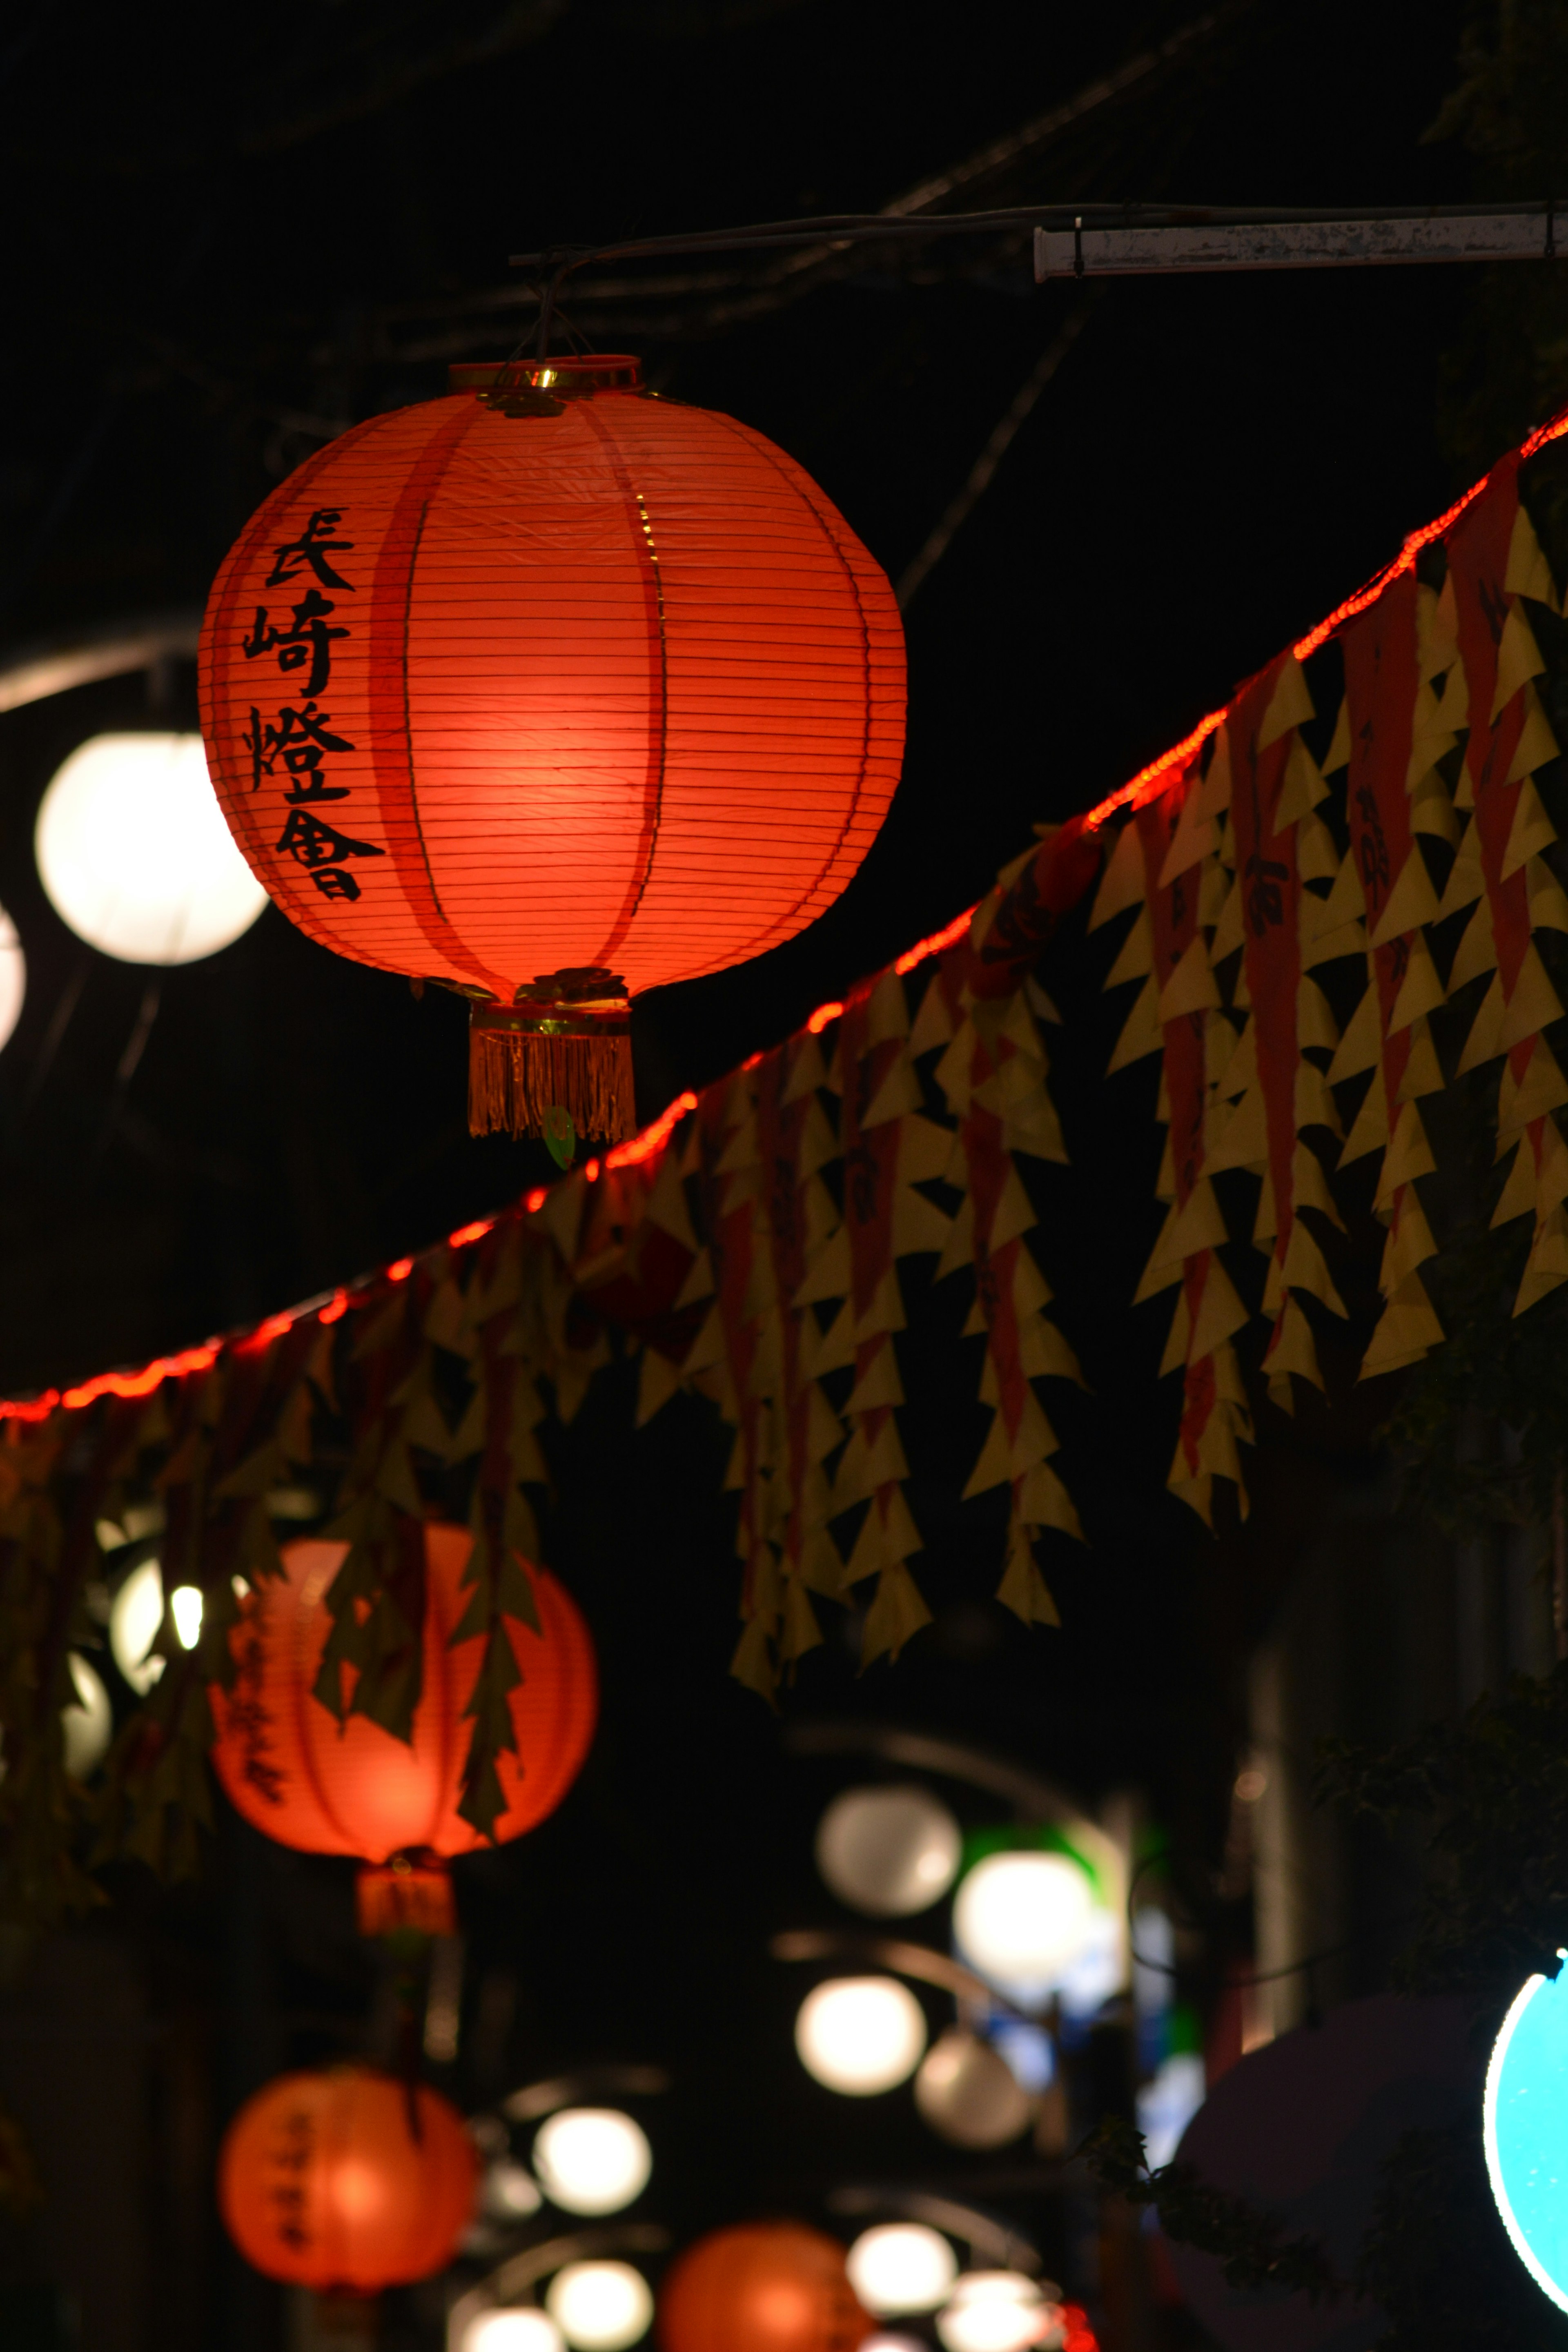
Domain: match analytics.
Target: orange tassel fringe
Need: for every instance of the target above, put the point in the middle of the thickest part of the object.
(513, 1080)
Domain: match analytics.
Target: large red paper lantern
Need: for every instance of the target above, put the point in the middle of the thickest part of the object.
(346, 2178)
(765, 2286)
(296, 1773)
(551, 691)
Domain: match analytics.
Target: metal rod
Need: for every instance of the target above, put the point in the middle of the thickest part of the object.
(1058, 219)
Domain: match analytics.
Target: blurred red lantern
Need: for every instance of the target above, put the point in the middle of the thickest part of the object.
(294, 1771)
(551, 691)
(346, 2178)
(766, 2287)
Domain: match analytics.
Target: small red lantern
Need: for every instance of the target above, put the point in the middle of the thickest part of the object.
(765, 2286)
(293, 1771)
(551, 691)
(347, 2179)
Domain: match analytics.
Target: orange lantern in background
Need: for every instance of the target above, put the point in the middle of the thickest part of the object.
(551, 691)
(324, 2180)
(766, 2287)
(294, 1773)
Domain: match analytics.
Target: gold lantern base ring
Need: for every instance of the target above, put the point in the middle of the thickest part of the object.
(564, 1044)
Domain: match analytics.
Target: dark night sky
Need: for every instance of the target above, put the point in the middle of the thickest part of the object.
(242, 228)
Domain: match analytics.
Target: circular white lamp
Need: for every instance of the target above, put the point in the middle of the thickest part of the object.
(13, 977)
(135, 854)
(1524, 2129)
(133, 1620)
(600, 2306)
(512, 2331)
(134, 1617)
(510, 2191)
(88, 1722)
(861, 2035)
(1022, 1920)
(592, 2159)
(888, 1852)
(968, 2094)
(901, 2266)
(993, 2311)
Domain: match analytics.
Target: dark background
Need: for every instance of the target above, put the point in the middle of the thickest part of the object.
(234, 232)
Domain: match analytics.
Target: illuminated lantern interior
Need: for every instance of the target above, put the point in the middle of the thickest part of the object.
(592, 2159)
(135, 857)
(322, 2180)
(888, 1852)
(860, 2036)
(551, 691)
(771, 2286)
(600, 2306)
(291, 1769)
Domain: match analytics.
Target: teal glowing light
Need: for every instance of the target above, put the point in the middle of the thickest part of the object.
(1525, 2128)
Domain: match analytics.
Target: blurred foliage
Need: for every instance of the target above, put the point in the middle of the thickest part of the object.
(1250, 2243)
(1491, 1790)
(1437, 2261)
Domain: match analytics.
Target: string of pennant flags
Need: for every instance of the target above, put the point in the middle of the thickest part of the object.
(1289, 883)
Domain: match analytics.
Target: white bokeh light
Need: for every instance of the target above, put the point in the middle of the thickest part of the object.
(510, 2191)
(13, 977)
(888, 1852)
(1022, 1920)
(901, 2266)
(185, 1609)
(993, 2311)
(133, 1620)
(513, 2331)
(88, 1723)
(861, 2035)
(135, 854)
(967, 2092)
(600, 2306)
(592, 2159)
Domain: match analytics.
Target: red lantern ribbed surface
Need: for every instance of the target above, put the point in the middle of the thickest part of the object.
(323, 2181)
(491, 696)
(765, 2286)
(291, 1769)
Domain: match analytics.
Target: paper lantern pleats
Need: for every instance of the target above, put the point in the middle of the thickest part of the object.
(552, 692)
(346, 2178)
(298, 1775)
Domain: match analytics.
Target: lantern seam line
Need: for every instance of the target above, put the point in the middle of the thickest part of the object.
(304, 1698)
(436, 453)
(802, 488)
(647, 558)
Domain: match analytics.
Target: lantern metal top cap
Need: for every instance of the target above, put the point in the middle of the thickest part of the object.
(575, 375)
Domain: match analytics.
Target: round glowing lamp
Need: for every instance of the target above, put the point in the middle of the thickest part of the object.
(882, 2341)
(513, 2331)
(1525, 2130)
(592, 2159)
(968, 2094)
(860, 2036)
(134, 1617)
(1022, 1920)
(135, 854)
(88, 1723)
(994, 2311)
(901, 2266)
(13, 977)
(888, 1852)
(510, 2191)
(600, 2306)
